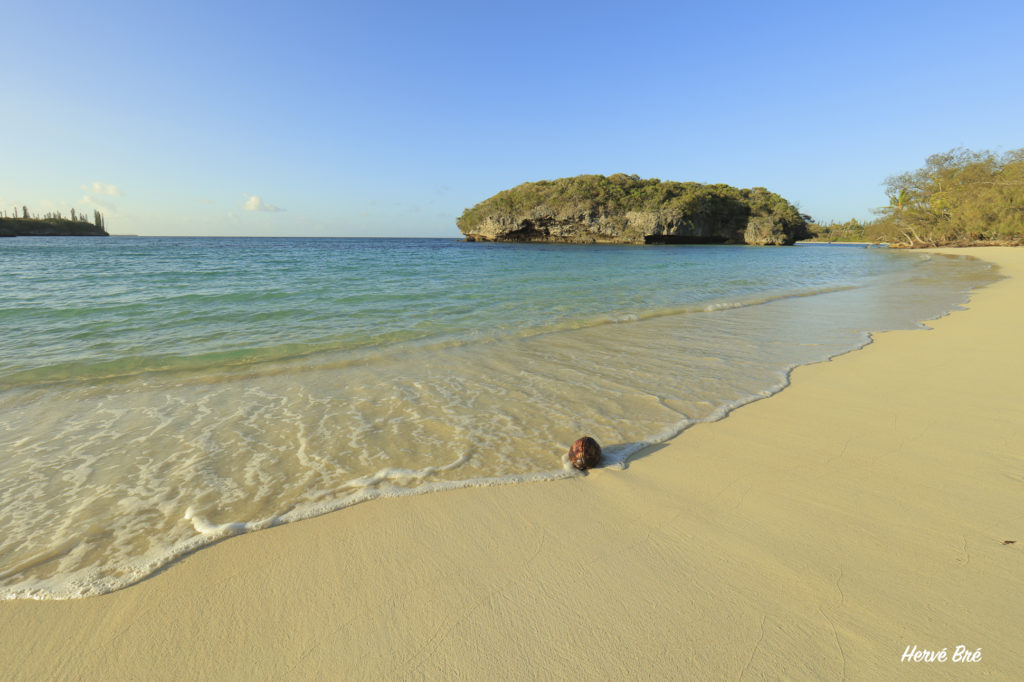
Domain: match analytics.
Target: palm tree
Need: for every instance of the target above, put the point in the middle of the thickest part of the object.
(900, 200)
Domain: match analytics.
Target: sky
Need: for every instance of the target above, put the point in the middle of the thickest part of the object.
(388, 119)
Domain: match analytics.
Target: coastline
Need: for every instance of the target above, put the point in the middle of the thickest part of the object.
(815, 534)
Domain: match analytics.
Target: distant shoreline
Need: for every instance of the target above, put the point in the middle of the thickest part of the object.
(827, 243)
(49, 227)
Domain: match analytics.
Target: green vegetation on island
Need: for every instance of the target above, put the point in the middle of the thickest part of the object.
(627, 209)
(959, 198)
(51, 224)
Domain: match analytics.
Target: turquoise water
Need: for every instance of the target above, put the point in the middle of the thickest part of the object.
(159, 394)
(115, 307)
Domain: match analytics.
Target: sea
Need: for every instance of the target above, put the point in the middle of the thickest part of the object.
(160, 394)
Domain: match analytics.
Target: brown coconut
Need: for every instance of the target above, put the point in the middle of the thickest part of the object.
(585, 453)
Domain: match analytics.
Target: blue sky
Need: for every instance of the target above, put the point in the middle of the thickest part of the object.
(390, 118)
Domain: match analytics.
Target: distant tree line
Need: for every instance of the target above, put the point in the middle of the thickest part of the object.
(850, 231)
(960, 197)
(75, 217)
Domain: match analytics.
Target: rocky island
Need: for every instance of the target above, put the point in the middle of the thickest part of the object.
(625, 209)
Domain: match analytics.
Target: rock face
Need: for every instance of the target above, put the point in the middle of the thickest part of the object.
(624, 209)
(585, 453)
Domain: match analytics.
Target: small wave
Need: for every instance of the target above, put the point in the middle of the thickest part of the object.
(688, 309)
(394, 343)
(388, 482)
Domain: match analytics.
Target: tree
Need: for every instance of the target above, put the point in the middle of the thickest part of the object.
(900, 200)
(959, 196)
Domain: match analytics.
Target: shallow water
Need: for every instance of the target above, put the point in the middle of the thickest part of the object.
(159, 394)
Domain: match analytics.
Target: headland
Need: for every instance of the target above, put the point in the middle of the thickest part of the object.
(625, 209)
(49, 227)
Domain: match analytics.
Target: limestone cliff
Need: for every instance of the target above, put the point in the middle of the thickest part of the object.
(624, 209)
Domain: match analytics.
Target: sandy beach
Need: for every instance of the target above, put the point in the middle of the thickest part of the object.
(867, 508)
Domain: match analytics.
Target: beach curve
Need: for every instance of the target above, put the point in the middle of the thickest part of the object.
(814, 535)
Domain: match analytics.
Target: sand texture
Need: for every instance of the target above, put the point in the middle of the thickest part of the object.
(813, 535)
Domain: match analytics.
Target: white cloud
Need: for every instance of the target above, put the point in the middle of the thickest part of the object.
(99, 203)
(100, 188)
(254, 203)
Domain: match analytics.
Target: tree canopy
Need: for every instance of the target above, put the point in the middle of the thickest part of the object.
(958, 197)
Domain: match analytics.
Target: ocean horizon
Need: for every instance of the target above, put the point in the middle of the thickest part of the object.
(160, 393)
